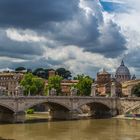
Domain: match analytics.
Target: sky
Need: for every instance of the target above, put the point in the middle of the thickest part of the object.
(83, 36)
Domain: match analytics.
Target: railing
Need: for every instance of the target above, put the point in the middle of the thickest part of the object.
(56, 97)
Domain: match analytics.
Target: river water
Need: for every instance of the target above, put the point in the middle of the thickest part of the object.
(100, 129)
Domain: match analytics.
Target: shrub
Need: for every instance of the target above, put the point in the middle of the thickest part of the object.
(30, 111)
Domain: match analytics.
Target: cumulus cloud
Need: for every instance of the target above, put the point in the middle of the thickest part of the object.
(72, 58)
(89, 30)
(33, 13)
(129, 22)
(24, 35)
(15, 49)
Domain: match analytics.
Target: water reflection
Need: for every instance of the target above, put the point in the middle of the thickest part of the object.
(5, 139)
(109, 129)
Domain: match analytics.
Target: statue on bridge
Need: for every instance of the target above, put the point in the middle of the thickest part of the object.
(3, 91)
(19, 91)
(93, 89)
(73, 91)
(52, 92)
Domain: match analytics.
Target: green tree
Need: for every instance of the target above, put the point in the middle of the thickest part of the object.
(136, 90)
(32, 85)
(63, 73)
(55, 82)
(39, 84)
(41, 72)
(78, 77)
(20, 69)
(84, 85)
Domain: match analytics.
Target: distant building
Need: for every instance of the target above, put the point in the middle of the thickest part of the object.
(52, 73)
(66, 86)
(128, 85)
(9, 83)
(121, 84)
(104, 84)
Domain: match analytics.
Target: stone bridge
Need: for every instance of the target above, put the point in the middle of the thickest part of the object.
(64, 107)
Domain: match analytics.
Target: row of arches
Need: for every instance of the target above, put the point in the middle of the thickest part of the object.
(60, 111)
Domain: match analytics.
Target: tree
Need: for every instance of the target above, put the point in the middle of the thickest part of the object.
(55, 82)
(84, 85)
(39, 84)
(32, 85)
(41, 72)
(20, 69)
(78, 77)
(136, 90)
(63, 73)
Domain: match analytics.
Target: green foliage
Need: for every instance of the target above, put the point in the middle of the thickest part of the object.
(55, 82)
(30, 111)
(41, 72)
(20, 69)
(78, 77)
(136, 90)
(84, 85)
(46, 91)
(32, 85)
(63, 73)
(44, 73)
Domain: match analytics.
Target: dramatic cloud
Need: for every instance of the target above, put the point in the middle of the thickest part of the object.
(24, 36)
(34, 13)
(17, 49)
(129, 22)
(81, 35)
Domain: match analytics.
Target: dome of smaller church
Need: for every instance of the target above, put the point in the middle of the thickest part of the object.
(103, 72)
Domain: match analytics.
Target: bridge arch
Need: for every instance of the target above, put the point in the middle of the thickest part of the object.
(6, 113)
(97, 109)
(4, 106)
(57, 110)
(49, 103)
(95, 102)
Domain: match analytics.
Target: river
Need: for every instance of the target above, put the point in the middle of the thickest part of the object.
(92, 129)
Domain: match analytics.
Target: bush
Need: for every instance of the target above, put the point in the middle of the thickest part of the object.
(30, 111)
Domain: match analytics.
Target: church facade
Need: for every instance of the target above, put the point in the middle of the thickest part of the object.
(105, 84)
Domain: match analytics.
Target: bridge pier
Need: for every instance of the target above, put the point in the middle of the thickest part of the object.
(6, 117)
(18, 117)
(114, 112)
(12, 117)
(64, 115)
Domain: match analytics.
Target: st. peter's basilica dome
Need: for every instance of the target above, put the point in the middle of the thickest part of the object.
(122, 73)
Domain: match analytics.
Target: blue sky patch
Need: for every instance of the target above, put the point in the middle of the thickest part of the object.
(111, 7)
